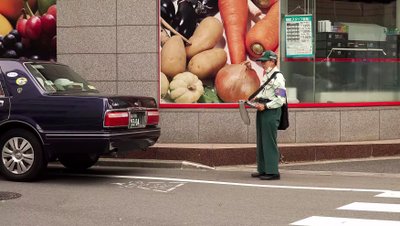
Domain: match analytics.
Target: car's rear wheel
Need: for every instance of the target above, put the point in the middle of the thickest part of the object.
(79, 162)
(21, 155)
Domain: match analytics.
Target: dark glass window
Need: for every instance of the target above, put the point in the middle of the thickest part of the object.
(59, 78)
(357, 45)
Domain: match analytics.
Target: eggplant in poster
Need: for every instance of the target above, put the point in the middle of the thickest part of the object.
(185, 20)
(205, 8)
(167, 10)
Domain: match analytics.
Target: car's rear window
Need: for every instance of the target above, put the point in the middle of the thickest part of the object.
(56, 78)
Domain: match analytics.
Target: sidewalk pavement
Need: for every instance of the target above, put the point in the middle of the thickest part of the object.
(215, 155)
(377, 166)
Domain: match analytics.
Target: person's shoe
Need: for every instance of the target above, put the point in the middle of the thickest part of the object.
(270, 177)
(257, 174)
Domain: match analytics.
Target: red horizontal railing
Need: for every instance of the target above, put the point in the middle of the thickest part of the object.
(350, 60)
(299, 105)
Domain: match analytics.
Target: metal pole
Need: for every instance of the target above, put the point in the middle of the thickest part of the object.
(398, 13)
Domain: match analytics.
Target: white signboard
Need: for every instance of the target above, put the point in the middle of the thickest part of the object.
(299, 36)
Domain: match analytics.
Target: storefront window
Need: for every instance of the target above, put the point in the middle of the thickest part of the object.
(356, 52)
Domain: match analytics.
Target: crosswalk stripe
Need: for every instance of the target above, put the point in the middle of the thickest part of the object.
(373, 207)
(390, 194)
(336, 221)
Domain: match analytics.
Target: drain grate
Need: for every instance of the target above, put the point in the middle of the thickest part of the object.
(5, 195)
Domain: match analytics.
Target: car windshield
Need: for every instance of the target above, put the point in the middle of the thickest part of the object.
(58, 78)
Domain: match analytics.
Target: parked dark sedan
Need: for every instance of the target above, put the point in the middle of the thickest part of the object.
(48, 112)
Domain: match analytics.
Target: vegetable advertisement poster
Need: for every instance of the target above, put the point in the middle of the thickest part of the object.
(208, 49)
(28, 29)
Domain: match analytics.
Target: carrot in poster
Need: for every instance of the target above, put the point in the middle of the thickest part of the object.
(264, 35)
(234, 14)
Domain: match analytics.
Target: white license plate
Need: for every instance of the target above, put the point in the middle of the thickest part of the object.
(136, 120)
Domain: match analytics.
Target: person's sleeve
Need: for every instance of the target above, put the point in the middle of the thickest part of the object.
(280, 93)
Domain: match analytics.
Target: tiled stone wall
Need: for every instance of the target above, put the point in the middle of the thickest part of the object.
(322, 125)
(114, 44)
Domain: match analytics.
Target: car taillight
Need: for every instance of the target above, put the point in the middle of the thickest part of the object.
(115, 119)
(153, 117)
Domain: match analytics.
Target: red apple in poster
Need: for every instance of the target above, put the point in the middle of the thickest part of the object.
(34, 28)
(21, 27)
(53, 11)
(48, 24)
(21, 24)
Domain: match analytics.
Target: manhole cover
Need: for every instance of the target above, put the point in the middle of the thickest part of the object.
(5, 195)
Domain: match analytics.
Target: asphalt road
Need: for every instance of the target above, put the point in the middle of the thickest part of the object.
(305, 195)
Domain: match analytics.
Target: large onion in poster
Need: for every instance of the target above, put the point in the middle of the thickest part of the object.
(236, 82)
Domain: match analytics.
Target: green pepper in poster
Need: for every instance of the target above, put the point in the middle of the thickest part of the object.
(209, 96)
(43, 5)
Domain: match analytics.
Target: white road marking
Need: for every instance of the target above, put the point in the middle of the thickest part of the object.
(153, 186)
(340, 173)
(196, 165)
(336, 221)
(235, 184)
(372, 207)
(390, 194)
(173, 188)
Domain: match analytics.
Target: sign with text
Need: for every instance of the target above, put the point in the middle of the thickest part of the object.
(299, 38)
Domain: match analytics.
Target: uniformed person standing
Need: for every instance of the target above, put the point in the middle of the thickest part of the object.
(268, 103)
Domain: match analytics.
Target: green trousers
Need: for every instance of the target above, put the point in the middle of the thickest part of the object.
(267, 147)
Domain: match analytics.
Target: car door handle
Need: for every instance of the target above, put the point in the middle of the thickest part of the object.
(1, 103)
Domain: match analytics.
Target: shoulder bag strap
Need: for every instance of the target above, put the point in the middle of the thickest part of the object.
(263, 85)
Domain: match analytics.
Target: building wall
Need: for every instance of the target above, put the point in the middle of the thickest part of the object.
(114, 44)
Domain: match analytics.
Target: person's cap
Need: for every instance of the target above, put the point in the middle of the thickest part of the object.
(268, 55)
